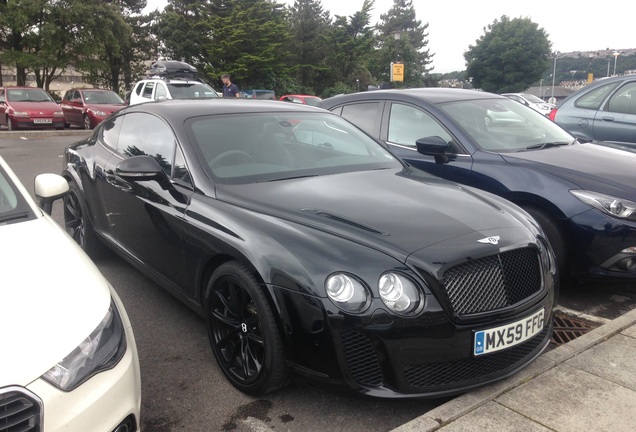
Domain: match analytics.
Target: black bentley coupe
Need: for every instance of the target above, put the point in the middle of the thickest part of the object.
(309, 248)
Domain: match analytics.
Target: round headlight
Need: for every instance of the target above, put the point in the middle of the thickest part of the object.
(547, 259)
(399, 293)
(347, 292)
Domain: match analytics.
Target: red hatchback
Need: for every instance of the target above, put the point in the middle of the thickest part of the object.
(88, 107)
(29, 107)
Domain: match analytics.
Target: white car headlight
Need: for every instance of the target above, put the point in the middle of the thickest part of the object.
(346, 292)
(58, 114)
(399, 293)
(100, 351)
(618, 207)
(20, 114)
(99, 113)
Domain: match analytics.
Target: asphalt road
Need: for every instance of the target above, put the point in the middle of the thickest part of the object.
(182, 387)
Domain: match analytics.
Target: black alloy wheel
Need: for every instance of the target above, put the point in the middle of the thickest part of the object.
(77, 224)
(87, 122)
(243, 332)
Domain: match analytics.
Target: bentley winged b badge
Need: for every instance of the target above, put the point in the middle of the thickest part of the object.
(494, 240)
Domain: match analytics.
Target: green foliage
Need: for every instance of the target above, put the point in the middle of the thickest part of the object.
(509, 57)
(402, 37)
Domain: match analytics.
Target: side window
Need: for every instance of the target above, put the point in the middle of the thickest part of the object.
(145, 134)
(161, 92)
(407, 124)
(624, 100)
(1, 95)
(110, 131)
(594, 98)
(363, 115)
(148, 90)
(138, 88)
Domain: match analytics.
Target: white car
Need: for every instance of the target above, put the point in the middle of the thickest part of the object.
(531, 101)
(165, 88)
(69, 360)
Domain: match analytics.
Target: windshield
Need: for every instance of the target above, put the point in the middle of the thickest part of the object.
(255, 147)
(532, 98)
(191, 90)
(313, 101)
(503, 125)
(13, 207)
(102, 98)
(28, 95)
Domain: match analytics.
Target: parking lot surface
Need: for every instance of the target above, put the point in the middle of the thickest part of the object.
(182, 387)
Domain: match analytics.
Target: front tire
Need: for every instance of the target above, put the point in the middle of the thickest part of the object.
(78, 224)
(87, 122)
(10, 125)
(243, 331)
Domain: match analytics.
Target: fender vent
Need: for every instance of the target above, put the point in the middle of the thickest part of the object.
(344, 220)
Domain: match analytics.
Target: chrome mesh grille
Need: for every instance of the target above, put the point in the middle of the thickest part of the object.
(493, 282)
(19, 412)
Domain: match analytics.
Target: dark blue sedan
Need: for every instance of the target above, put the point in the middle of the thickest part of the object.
(583, 195)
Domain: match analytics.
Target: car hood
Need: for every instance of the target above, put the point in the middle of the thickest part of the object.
(36, 107)
(51, 298)
(588, 166)
(395, 212)
(107, 108)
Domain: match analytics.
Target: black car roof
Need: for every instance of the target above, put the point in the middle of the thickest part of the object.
(181, 109)
(432, 95)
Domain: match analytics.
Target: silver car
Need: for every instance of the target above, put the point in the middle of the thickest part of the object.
(602, 111)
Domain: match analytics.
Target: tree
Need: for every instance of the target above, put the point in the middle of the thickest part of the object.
(509, 57)
(350, 42)
(402, 37)
(308, 24)
(247, 39)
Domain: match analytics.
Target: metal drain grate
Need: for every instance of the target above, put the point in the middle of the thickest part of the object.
(568, 328)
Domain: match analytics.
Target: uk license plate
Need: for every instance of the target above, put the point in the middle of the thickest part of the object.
(42, 120)
(509, 335)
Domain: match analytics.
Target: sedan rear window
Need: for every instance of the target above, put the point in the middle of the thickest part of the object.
(191, 90)
(254, 147)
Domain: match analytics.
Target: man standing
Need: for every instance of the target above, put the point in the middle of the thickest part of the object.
(229, 89)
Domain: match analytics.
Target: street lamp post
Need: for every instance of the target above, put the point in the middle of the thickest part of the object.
(540, 86)
(556, 54)
(616, 54)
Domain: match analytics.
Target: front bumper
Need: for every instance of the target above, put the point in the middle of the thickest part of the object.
(598, 243)
(34, 123)
(386, 356)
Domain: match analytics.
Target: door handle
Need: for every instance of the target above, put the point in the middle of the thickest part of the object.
(608, 119)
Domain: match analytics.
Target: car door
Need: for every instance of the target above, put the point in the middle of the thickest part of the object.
(616, 121)
(70, 107)
(403, 124)
(146, 218)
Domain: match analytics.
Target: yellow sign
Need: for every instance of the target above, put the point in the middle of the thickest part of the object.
(590, 78)
(397, 72)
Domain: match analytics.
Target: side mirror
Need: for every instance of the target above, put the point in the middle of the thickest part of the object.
(142, 168)
(49, 188)
(433, 146)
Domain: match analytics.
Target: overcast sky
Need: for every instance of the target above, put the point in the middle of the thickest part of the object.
(454, 25)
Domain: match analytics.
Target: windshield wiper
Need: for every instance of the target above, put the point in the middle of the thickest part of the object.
(14, 216)
(546, 145)
(293, 177)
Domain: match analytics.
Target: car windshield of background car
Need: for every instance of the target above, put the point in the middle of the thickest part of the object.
(191, 91)
(13, 208)
(102, 98)
(313, 101)
(256, 147)
(28, 95)
(503, 125)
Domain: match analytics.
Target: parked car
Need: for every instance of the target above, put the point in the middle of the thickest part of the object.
(531, 101)
(309, 247)
(89, 107)
(165, 88)
(29, 107)
(602, 111)
(69, 360)
(258, 94)
(302, 99)
(583, 195)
